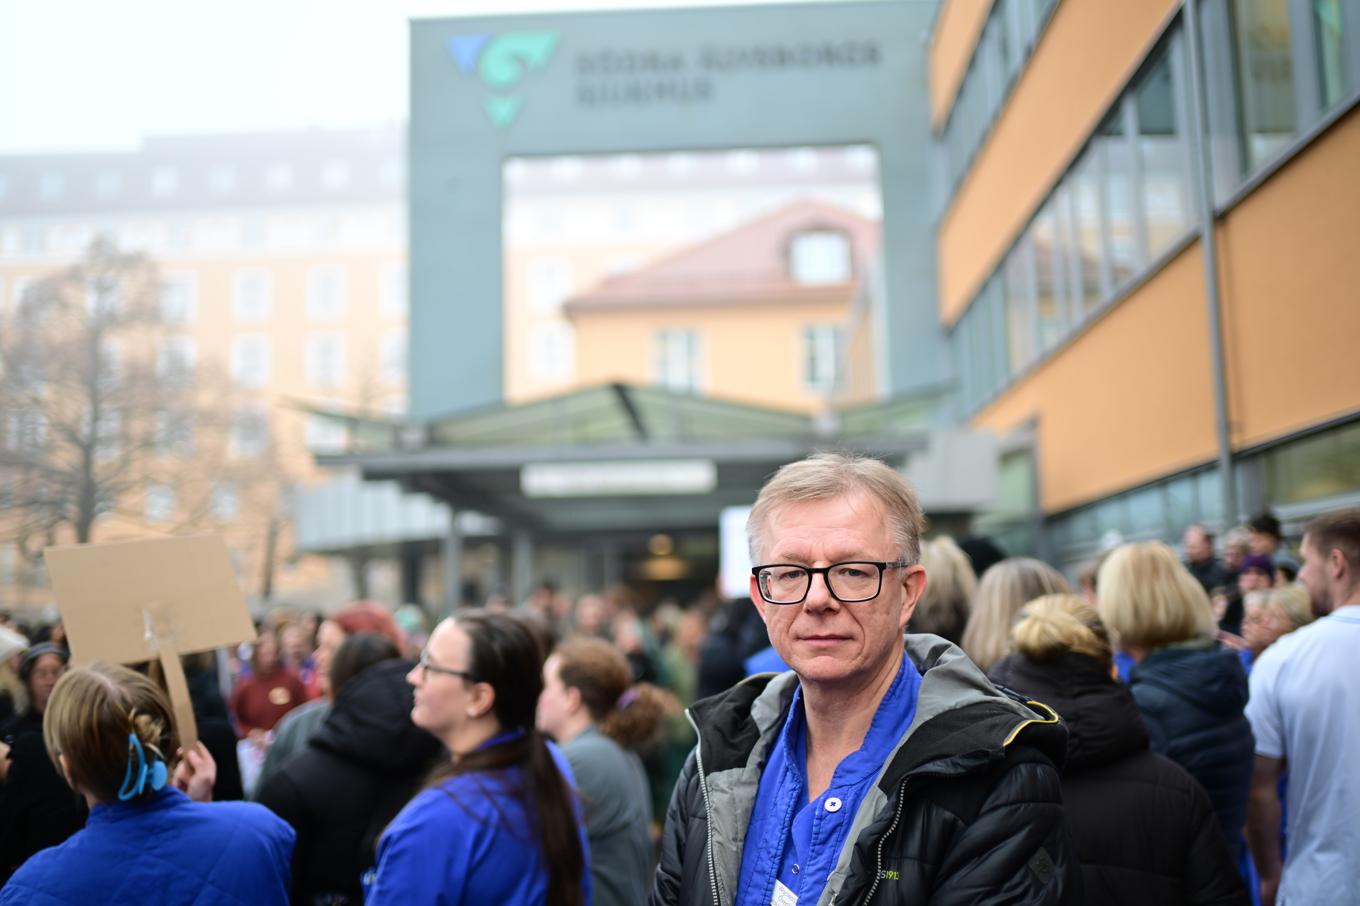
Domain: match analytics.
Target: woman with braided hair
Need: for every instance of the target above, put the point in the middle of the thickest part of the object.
(110, 733)
(592, 708)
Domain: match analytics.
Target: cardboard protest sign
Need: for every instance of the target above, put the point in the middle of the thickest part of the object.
(131, 601)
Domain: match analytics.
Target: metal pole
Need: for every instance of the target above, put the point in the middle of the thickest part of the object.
(453, 564)
(521, 566)
(1199, 149)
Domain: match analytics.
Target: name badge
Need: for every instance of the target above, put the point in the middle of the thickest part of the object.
(783, 896)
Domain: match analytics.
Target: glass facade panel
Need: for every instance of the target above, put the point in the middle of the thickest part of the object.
(1325, 465)
(1163, 153)
(1265, 79)
(1050, 272)
(1330, 47)
(1116, 158)
(1087, 240)
(1020, 332)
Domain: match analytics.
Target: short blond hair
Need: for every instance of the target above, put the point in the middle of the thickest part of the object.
(1055, 625)
(92, 712)
(1005, 588)
(1294, 602)
(1148, 598)
(944, 605)
(825, 475)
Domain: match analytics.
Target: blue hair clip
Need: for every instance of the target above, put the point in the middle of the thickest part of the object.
(136, 779)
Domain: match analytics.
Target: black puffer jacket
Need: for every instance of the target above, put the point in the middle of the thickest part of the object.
(1143, 829)
(1191, 698)
(356, 773)
(968, 810)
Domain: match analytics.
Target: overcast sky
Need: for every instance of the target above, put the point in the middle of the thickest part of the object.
(79, 75)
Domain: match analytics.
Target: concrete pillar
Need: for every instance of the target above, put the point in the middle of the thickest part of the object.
(521, 566)
(453, 565)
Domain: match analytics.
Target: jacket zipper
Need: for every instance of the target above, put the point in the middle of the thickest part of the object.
(878, 866)
(708, 808)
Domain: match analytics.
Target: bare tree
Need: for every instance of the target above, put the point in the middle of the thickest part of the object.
(101, 401)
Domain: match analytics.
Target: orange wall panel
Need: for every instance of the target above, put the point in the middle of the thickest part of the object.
(1129, 401)
(1085, 56)
(957, 27)
(1291, 289)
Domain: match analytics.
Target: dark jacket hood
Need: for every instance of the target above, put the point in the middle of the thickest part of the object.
(370, 723)
(1103, 724)
(1201, 671)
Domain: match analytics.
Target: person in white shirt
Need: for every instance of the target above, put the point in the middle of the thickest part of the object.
(1305, 714)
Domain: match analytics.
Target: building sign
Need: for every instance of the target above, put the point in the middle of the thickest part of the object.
(501, 61)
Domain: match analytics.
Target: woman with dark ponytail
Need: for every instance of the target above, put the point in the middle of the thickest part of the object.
(497, 822)
(590, 705)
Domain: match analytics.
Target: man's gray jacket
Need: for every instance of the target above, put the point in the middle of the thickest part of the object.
(967, 809)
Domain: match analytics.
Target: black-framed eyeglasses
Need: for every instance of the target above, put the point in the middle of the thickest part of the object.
(427, 667)
(849, 581)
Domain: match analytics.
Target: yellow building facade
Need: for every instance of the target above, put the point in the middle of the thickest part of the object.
(1083, 147)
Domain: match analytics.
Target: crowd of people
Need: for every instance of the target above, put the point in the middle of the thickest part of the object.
(887, 719)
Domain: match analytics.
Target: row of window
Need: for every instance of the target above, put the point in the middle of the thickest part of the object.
(248, 434)
(212, 235)
(738, 161)
(252, 294)
(1128, 199)
(1007, 39)
(161, 502)
(167, 181)
(678, 359)
(249, 361)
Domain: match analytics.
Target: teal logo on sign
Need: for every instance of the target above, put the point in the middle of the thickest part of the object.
(501, 61)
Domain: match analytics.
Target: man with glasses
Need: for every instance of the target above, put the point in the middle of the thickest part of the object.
(880, 769)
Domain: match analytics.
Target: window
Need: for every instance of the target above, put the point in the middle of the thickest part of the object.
(821, 357)
(335, 175)
(1111, 143)
(390, 173)
(174, 433)
(222, 180)
(677, 360)
(226, 506)
(552, 353)
(1330, 48)
(26, 431)
(108, 435)
(250, 296)
(164, 181)
(679, 164)
(278, 177)
(326, 293)
(1088, 243)
(804, 160)
(1163, 152)
(175, 359)
(819, 257)
(250, 361)
(1048, 235)
(102, 298)
(550, 282)
(326, 359)
(108, 183)
(249, 434)
(51, 185)
(325, 435)
(392, 291)
(1265, 79)
(392, 357)
(742, 161)
(1020, 321)
(179, 298)
(160, 503)
(627, 166)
